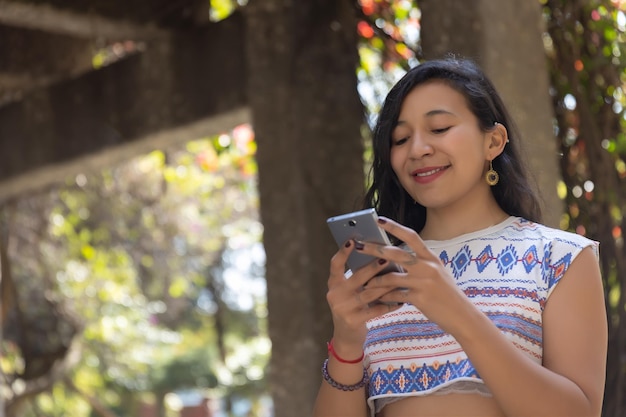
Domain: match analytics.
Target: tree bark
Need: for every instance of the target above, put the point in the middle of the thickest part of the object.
(504, 37)
(45, 382)
(302, 90)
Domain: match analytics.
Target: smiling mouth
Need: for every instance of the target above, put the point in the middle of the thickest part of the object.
(429, 172)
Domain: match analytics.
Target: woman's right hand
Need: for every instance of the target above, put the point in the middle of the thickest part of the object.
(352, 303)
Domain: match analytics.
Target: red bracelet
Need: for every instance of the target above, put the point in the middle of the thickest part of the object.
(331, 350)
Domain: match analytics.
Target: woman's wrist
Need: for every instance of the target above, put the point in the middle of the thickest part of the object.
(345, 355)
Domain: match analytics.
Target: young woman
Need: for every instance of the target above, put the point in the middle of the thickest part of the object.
(495, 314)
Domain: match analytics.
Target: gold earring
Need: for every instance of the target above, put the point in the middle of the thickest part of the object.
(492, 176)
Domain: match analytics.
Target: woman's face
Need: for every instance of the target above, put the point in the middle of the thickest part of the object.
(438, 151)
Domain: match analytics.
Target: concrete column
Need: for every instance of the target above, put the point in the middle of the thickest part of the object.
(505, 38)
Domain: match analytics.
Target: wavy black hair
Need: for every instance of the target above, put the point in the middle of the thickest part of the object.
(513, 192)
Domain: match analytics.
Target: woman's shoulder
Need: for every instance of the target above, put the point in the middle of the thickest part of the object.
(554, 237)
(519, 225)
(520, 233)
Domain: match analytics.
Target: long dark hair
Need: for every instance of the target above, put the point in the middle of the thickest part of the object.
(513, 192)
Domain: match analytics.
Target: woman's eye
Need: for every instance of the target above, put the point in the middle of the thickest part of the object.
(400, 141)
(442, 130)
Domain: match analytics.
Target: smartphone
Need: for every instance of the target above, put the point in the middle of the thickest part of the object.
(360, 225)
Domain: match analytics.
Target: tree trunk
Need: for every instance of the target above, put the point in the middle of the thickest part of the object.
(302, 89)
(504, 37)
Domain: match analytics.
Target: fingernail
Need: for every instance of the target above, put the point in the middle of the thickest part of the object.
(347, 244)
(358, 245)
(382, 261)
(382, 221)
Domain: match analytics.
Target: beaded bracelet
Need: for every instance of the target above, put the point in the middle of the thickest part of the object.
(343, 387)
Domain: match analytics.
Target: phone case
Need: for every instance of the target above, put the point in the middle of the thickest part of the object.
(359, 225)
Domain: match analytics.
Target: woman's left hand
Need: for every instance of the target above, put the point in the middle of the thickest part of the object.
(426, 283)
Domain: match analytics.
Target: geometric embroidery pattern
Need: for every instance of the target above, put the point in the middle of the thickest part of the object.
(530, 258)
(545, 266)
(558, 269)
(506, 259)
(417, 379)
(460, 261)
(484, 258)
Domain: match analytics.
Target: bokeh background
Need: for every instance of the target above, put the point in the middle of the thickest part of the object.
(167, 166)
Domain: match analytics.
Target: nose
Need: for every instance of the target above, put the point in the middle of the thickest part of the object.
(419, 147)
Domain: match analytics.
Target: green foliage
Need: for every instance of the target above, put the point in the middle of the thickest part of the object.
(190, 371)
(585, 44)
(388, 46)
(221, 9)
(140, 253)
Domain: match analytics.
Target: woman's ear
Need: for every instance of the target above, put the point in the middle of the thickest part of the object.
(496, 140)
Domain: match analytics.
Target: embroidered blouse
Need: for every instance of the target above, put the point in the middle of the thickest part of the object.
(508, 271)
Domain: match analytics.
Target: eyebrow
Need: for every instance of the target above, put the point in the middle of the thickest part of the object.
(431, 113)
(437, 112)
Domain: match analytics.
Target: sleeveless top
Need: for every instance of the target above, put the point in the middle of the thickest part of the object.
(508, 271)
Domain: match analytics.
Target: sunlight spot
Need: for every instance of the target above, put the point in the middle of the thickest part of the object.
(156, 307)
(224, 376)
(224, 140)
(83, 213)
(81, 180)
(561, 190)
(181, 171)
(57, 220)
(621, 21)
(173, 401)
(19, 386)
(121, 322)
(254, 373)
(570, 102)
(570, 137)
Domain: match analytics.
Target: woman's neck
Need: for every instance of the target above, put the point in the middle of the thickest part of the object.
(446, 223)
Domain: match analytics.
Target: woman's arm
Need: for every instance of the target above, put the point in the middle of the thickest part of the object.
(571, 380)
(350, 301)
(335, 402)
